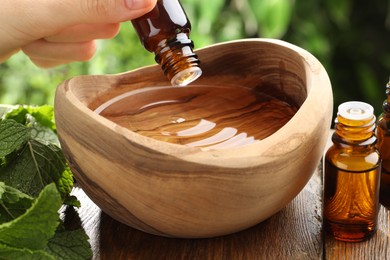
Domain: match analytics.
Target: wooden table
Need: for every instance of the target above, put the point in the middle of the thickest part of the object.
(293, 233)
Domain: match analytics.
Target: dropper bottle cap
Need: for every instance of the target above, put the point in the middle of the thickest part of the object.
(355, 110)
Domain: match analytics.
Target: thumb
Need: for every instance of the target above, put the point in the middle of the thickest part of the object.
(24, 21)
(99, 11)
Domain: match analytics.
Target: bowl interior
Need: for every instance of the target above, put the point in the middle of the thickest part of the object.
(265, 70)
(265, 67)
(176, 190)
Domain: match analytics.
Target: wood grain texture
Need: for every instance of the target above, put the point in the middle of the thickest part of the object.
(376, 248)
(293, 233)
(180, 191)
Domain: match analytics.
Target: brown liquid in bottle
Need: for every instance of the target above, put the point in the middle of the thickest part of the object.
(351, 176)
(351, 216)
(208, 117)
(165, 31)
(383, 134)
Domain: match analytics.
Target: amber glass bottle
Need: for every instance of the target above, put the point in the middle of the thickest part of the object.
(383, 134)
(352, 175)
(165, 31)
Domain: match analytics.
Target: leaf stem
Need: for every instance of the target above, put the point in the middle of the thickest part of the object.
(6, 210)
(35, 162)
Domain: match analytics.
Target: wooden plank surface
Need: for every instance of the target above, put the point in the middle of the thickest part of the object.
(377, 248)
(293, 233)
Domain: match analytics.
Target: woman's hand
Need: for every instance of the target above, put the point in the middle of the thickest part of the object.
(53, 32)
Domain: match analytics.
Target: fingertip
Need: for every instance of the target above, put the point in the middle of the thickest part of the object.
(45, 64)
(86, 51)
(138, 8)
(146, 5)
(110, 31)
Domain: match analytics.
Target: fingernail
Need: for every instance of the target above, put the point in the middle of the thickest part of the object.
(135, 4)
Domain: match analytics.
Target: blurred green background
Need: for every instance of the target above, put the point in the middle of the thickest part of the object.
(351, 38)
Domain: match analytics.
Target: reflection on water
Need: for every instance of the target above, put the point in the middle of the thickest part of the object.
(208, 117)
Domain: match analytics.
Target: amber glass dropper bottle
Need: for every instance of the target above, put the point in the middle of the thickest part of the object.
(165, 31)
(352, 175)
(383, 134)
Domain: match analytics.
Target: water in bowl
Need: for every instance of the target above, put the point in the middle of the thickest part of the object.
(208, 117)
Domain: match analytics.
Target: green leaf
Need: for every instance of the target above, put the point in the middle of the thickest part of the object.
(7, 252)
(39, 119)
(72, 201)
(35, 166)
(65, 182)
(13, 203)
(32, 165)
(18, 113)
(72, 245)
(41, 133)
(40, 161)
(12, 136)
(39, 222)
(44, 115)
(4, 109)
(11, 195)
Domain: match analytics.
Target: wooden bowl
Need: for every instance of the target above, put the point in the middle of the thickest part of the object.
(179, 191)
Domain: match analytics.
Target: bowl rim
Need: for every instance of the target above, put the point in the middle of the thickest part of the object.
(317, 83)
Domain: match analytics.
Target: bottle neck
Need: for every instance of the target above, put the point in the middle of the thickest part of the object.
(178, 61)
(355, 132)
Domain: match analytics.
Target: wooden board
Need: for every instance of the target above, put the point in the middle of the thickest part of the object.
(293, 233)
